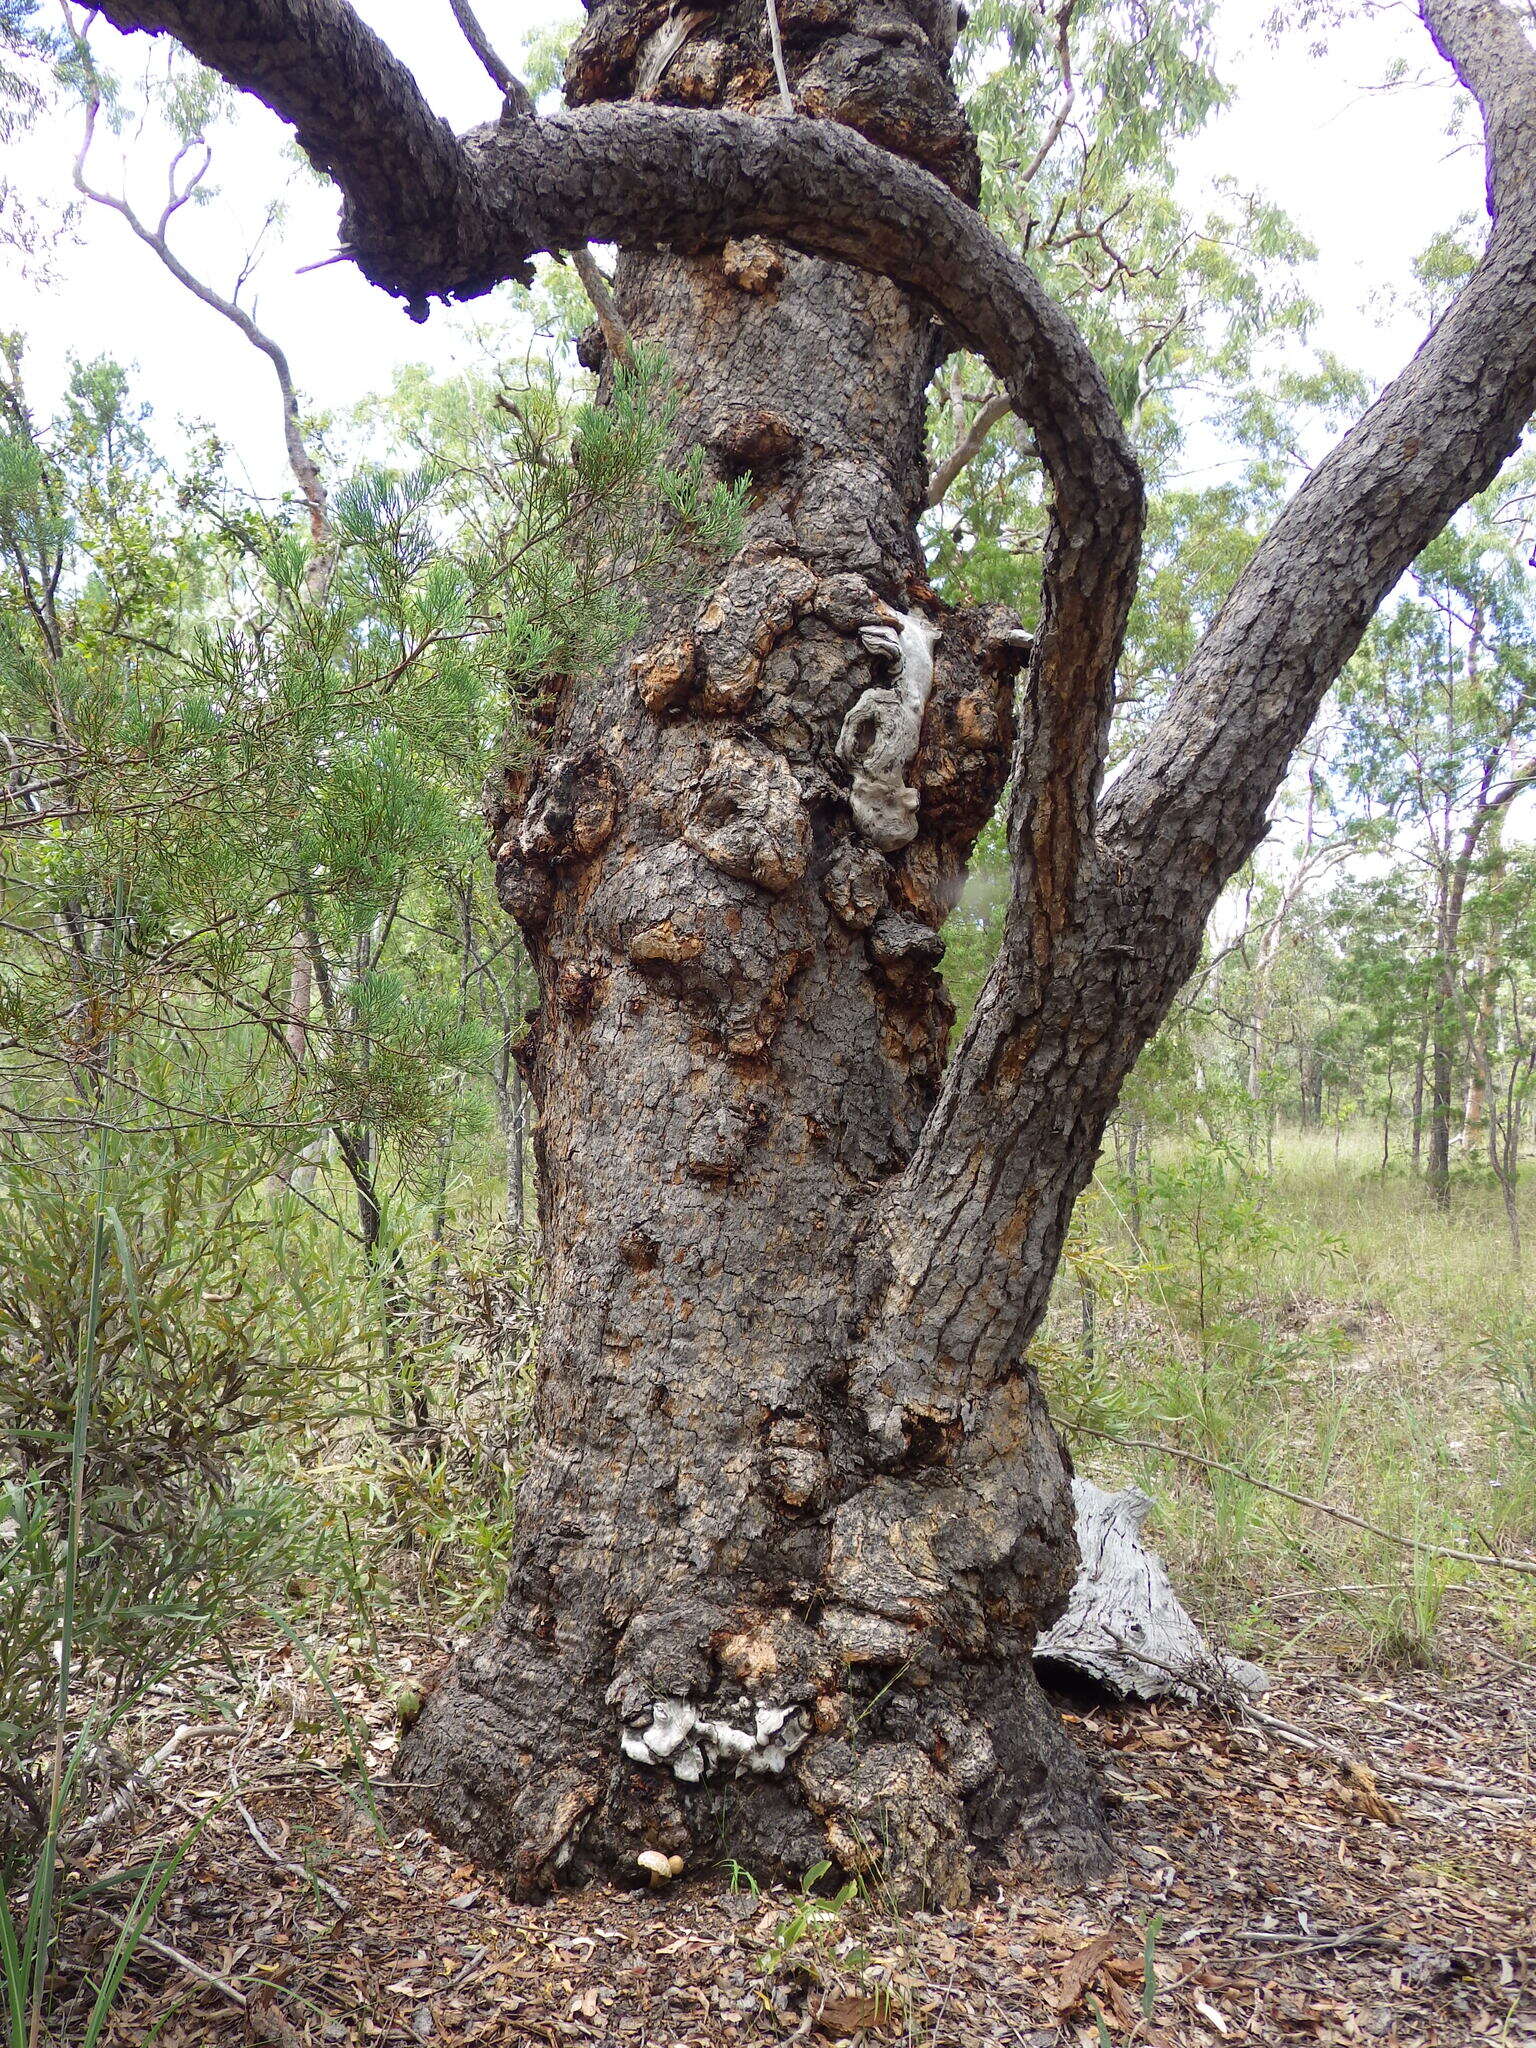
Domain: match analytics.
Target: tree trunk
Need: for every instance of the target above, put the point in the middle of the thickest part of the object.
(298, 1170)
(1446, 1023)
(1420, 1062)
(1474, 1101)
(1442, 1029)
(749, 1615)
(1476, 1124)
(1441, 1083)
(1504, 1152)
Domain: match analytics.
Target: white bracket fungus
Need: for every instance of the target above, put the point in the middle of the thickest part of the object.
(672, 1732)
(880, 734)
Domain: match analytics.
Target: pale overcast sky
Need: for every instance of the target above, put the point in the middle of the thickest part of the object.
(1367, 175)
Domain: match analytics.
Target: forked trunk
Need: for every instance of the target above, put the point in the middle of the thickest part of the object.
(769, 1602)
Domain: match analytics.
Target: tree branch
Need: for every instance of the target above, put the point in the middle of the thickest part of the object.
(609, 318)
(517, 100)
(430, 215)
(517, 105)
(776, 40)
(360, 117)
(1194, 802)
(1093, 954)
(427, 216)
(967, 448)
(1068, 91)
(305, 470)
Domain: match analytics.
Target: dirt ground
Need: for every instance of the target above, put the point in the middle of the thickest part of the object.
(1359, 1868)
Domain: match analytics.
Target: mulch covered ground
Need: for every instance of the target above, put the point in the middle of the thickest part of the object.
(1360, 1869)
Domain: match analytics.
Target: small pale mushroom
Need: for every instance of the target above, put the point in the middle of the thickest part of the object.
(658, 1867)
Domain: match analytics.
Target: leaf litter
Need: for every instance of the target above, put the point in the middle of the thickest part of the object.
(1355, 1866)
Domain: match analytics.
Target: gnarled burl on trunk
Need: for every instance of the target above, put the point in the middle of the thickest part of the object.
(795, 1512)
(781, 1562)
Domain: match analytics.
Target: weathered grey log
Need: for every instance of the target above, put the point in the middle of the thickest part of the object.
(1125, 1627)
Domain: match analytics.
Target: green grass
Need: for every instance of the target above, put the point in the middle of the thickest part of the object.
(1328, 1331)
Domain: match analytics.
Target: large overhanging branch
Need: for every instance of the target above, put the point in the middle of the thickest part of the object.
(977, 1221)
(432, 215)
(359, 116)
(428, 215)
(1195, 801)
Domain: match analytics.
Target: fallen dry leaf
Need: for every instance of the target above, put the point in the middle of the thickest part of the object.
(1260, 1899)
(1207, 2011)
(859, 2012)
(1079, 1971)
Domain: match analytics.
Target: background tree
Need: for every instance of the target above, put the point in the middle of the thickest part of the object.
(25, 47)
(211, 758)
(1439, 709)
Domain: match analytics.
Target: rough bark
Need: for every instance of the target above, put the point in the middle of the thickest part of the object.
(1454, 874)
(1420, 1063)
(795, 1512)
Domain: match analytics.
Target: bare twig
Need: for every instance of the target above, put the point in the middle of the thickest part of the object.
(324, 262)
(517, 100)
(609, 318)
(1298, 1738)
(1069, 88)
(168, 1954)
(968, 447)
(517, 103)
(1300, 1944)
(306, 471)
(786, 97)
(133, 1787)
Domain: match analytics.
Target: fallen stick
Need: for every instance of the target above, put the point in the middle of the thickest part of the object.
(274, 1855)
(168, 1954)
(133, 1787)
